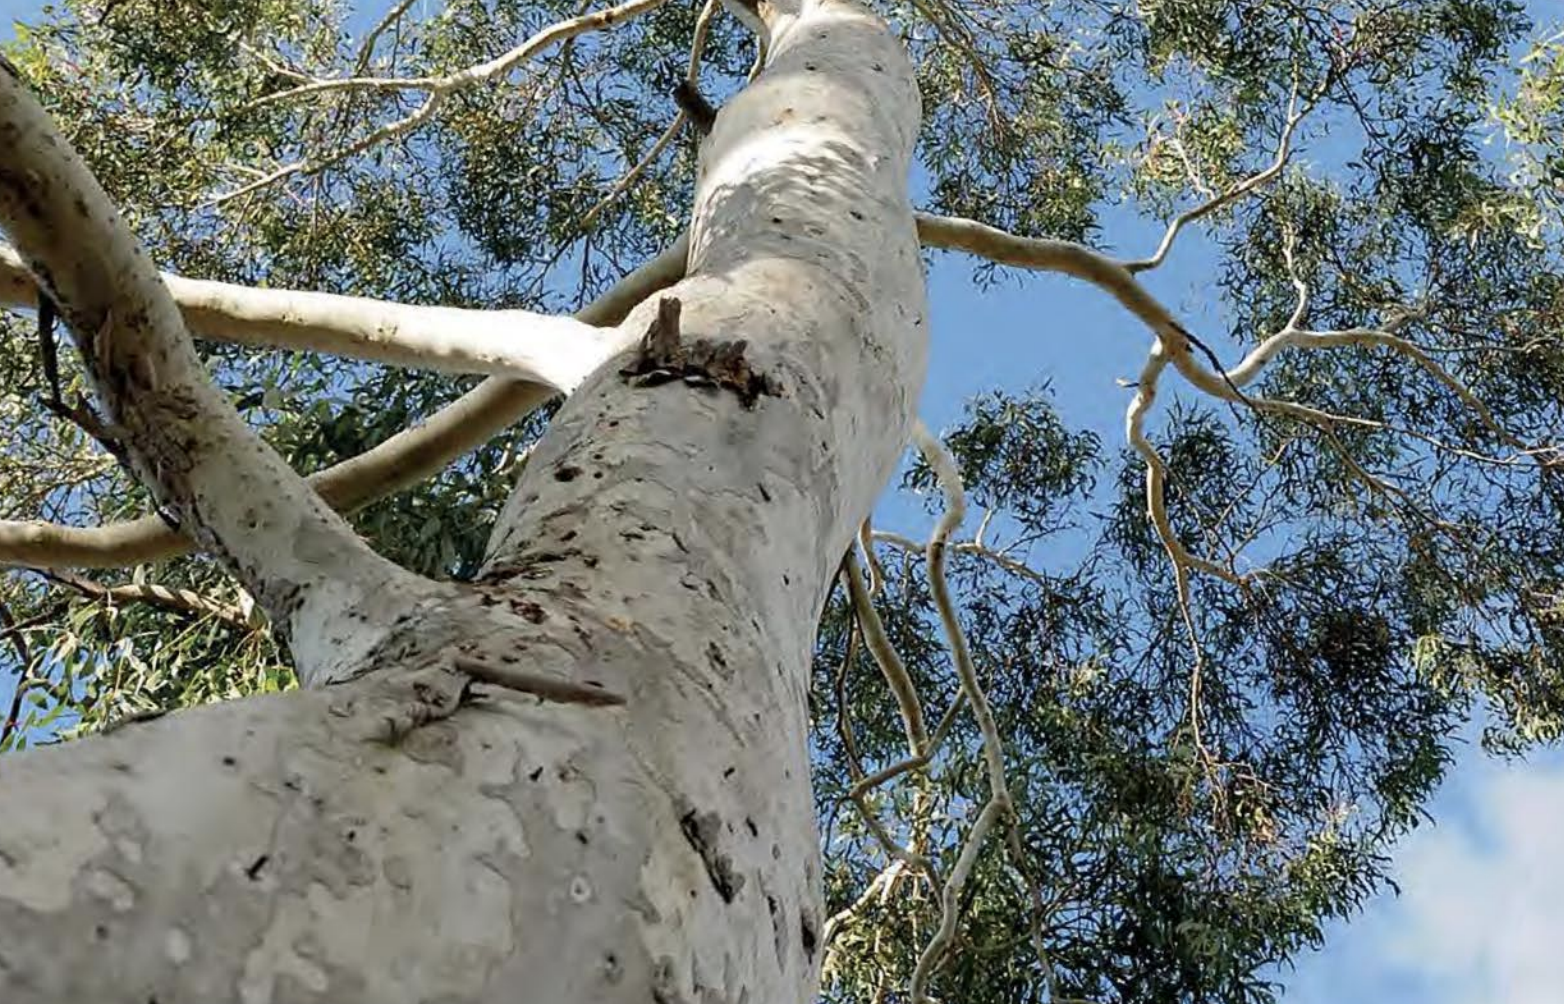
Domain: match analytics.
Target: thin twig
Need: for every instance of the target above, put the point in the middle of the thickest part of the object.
(173, 598)
(1295, 115)
(437, 89)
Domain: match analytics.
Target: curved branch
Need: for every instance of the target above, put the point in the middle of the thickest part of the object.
(1156, 480)
(904, 543)
(886, 656)
(176, 599)
(999, 803)
(366, 48)
(241, 500)
(1116, 279)
(671, 131)
(1238, 190)
(1048, 255)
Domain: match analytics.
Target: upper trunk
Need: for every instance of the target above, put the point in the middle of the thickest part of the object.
(671, 542)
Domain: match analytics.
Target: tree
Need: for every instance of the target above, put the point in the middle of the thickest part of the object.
(573, 761)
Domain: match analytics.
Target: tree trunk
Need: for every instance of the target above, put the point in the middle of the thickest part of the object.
(639, 826)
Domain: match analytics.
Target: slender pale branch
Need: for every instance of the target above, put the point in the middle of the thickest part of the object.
(999, 804)
(904, 543)
(871, 560)
(179, 600)
(639, 168)
(558, 351)
(1115, 279)
(1238, 190)
(868, 782)
(1044, 254)
(671, 132)
(1156, 510)
(366, 48)
(886, 656)
(1156, 479)
(893, 850)
(945, 471)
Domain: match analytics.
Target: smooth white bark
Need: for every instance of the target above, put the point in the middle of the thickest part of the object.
(380, 839)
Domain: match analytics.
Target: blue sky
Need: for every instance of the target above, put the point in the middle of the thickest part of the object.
(1482, 907)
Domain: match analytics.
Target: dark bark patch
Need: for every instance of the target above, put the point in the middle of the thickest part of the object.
(778, 930)
(663, 358)
(665, 982)
(703, 830)
(809, 934)
(695, 107)
(718, 661)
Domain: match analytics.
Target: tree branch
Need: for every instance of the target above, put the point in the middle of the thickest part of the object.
(999, 805)
(242, 501)
(438, 88)
(886, 656)
(973, 547)
(558, 351)
(1048, 255)
(689, 90)
(1295, 115)
(403, 460)
(184, 601)
(1175, 345)
(1156, 480)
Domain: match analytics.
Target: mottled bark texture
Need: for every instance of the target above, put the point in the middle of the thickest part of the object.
(402, 831)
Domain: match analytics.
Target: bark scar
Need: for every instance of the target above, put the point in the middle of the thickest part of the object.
(703, 830)
(663, 358)
(542, 686)
(436, 691)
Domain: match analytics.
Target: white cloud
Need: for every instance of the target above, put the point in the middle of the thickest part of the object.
(1481, 915)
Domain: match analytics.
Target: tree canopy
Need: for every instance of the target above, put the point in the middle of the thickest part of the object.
(1218, 716)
